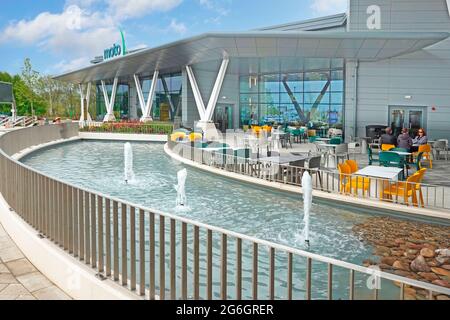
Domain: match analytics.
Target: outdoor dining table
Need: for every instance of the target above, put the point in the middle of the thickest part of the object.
(382, 176)
(273, 166)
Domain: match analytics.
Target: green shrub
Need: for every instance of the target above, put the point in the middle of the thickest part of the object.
(132, 128)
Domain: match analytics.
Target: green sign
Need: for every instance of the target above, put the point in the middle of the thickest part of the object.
(116, 50)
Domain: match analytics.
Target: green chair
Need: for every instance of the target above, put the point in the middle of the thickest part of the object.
(312, 139)
(372, 160)
(336, 140)
(417, 163)
(391, 159)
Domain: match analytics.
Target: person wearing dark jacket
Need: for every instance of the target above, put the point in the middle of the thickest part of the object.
(404, 140)
(388, 137)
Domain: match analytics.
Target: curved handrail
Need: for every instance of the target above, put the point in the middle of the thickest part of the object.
(294, 251)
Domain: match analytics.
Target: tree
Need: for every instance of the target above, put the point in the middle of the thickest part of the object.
(31, 79)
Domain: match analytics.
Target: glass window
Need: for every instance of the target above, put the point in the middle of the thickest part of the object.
(249, 98)
(292, 81)
(248, 84)
(286, 98)
(337, 97)
(270, 83)
(337, 63)
(313, 97)
(317, 64)
(337, 81)
(269, 113)
(269, 97)
(293, 95)
(315, 81)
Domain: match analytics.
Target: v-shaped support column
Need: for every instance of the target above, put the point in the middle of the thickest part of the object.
(85, 97)
(146, 106)
(109, 102)
(207, 113)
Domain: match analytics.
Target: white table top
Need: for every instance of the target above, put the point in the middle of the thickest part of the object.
(390, 173)
(401, 153)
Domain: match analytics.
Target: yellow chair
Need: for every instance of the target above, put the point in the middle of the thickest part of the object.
(353, 165)
(404, 189)
(426, 149)
(387, 147)
(256, 130)
(349, 183)
(176, 136)
(421, 174)
(195, 136)
(311, 133)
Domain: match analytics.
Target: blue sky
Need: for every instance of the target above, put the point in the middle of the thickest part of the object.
(61, 35)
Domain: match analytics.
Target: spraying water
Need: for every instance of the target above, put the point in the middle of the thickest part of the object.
(128, 162)
(180, 188)
(307, 202)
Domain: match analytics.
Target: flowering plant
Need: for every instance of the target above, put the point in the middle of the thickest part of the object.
(134, 127)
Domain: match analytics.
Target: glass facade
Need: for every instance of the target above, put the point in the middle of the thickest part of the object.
(305, 92)
(121, 111)
(168, 96)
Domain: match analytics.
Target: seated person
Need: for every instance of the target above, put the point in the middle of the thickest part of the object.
(419, 140)
(388, 137)
(404, 140)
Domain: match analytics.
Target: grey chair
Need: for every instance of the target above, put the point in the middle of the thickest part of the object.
(314, 168)
(441, 146)
(340, 152)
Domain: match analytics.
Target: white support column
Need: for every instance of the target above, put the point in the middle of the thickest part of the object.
(206, 115)
(109, 102)
(85, 97)
(198, 97)
(146, 106)
(216, 90)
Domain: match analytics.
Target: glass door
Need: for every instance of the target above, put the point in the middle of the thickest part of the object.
(223, 117)
(412, 118)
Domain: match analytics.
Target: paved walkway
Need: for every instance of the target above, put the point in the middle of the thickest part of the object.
(19, 279)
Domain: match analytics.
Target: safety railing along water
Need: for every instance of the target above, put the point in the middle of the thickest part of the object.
(428, 196)
(164, 256)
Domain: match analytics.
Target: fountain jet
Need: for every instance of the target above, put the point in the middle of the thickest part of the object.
(180, 188)
(307, 202)
(128, 162)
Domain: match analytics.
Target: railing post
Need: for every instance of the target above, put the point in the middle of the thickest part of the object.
(100, 234)
(93, 232)
(108, 236)
(142, 252)
(152, 256)
(124, 257)
(133, 248)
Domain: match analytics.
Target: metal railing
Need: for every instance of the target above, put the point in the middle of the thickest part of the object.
(164, 256)
(428, 196)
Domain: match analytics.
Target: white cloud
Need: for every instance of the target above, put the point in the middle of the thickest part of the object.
(218, 9)
(68, 65)
(329, 6)
(82, 30)
(177, 27)
(125, 9)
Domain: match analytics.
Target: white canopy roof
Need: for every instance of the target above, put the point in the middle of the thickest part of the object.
(366, 46)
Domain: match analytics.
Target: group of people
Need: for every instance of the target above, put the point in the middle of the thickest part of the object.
(404, 140)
